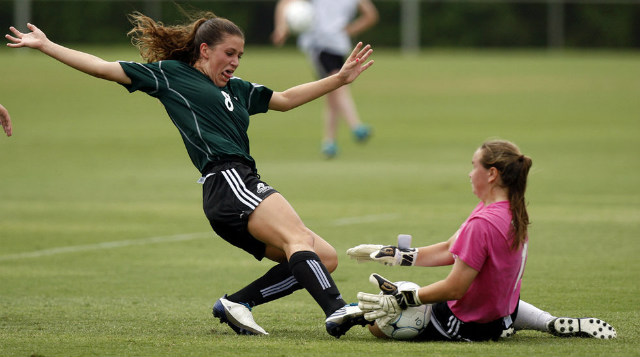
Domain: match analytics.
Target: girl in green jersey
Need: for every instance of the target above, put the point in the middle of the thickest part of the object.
(190, 70)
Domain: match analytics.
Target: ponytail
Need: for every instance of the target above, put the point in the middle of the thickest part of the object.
(514, 169)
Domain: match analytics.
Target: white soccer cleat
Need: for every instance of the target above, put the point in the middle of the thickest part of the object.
(237, 316)
(581, 327)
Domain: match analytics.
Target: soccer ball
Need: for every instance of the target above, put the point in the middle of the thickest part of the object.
(410, 322)
(299, 15)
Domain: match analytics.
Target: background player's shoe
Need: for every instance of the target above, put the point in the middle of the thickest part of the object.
(362, 133)
(344, 318)
(329, 149)
(581, 327)
(237, 316)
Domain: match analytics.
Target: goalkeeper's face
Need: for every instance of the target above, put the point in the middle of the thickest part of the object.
(480, 176)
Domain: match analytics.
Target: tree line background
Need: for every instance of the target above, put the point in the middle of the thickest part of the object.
(443, 23)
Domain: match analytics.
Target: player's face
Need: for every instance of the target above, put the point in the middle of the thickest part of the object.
(224, 59)
(479, 176)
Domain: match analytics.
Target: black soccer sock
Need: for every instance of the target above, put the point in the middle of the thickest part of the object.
(274, 284)
(309, 271)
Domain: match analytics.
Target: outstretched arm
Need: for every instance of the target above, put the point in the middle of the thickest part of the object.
(392, 298)
(304, 93)
(5, 120)
(434, 255)
(81, 61)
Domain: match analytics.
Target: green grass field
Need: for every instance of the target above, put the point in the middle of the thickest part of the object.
(105, 251)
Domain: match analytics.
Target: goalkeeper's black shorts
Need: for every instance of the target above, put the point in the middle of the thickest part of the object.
(231, 192)
(445, 326)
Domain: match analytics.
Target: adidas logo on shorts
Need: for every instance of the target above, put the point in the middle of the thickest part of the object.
(262, 188)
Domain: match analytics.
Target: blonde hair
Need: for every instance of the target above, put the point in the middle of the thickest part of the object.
(158, 42)
(513, 167)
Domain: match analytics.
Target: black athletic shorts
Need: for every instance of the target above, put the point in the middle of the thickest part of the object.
(231, 192)
(445, 326)
(326, 62)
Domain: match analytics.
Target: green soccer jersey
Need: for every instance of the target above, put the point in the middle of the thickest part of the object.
(212, 121)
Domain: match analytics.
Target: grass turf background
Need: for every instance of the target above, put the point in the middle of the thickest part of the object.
(104, 249)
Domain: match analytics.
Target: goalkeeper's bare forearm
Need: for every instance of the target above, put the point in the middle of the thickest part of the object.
(435, 255)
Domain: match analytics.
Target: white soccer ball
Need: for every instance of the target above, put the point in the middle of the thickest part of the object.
(410, 322)
(299, 16)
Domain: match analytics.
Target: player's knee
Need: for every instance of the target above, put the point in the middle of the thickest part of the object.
(301, 240)
(307, 240)
(329, 258)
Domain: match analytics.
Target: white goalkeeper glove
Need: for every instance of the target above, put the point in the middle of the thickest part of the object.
(389, 302)
(391, 255)
(362, 252)
(384, 254)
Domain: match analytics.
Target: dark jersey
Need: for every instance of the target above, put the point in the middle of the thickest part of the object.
(212, 121)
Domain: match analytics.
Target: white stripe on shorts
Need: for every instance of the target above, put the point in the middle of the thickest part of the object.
(248, 192)
(240, 190)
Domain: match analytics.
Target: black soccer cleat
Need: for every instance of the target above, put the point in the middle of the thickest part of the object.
(581, 327)
(345, 318)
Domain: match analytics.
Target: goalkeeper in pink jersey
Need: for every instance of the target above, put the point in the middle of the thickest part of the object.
(480, 298)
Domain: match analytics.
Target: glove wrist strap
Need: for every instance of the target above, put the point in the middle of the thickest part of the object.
(410, 298)
(408, 256)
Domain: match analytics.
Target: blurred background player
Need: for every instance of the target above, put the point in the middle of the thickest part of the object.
(5, 120)
(326, 44)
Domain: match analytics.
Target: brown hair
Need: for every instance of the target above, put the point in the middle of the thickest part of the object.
(158, 42)
(513, 167)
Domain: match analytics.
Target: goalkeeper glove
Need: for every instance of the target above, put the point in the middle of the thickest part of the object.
(362, 252)
(383, 254)
(389, 303)
(391, 255)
